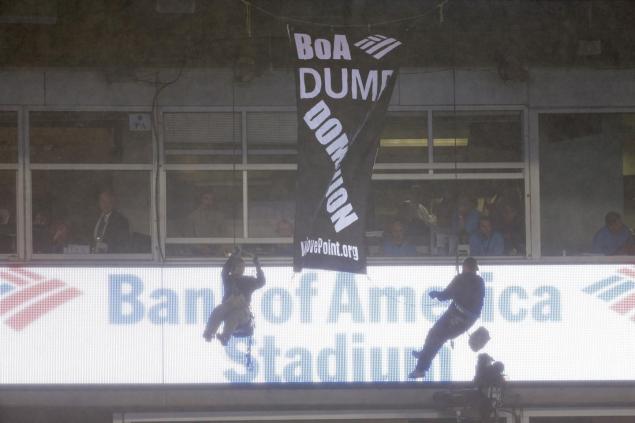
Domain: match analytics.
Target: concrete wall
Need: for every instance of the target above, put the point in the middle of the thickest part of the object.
(214, 87)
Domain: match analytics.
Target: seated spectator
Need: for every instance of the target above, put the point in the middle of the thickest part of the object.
(614, 238)
(112, 231)
(59, 236)
(206, 220)
(465, 221)
(49, 238)
(486, 241)
(508, 221)
(395, 243)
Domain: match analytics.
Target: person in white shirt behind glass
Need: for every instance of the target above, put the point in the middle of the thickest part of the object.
(206, 220)
(111, 233)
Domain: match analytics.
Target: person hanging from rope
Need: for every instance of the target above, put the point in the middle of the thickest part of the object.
(466, 291)
(234, 310)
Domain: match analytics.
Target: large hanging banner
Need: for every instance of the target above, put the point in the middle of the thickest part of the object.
(343, 83)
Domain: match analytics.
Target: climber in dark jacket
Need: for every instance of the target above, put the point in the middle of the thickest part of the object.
(466, 291)
(237, 289)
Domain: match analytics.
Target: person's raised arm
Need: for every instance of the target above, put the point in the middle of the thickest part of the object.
(229, 264)
(260, 275)
(447, 293)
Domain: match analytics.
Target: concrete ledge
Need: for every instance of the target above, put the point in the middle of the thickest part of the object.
(300, 397)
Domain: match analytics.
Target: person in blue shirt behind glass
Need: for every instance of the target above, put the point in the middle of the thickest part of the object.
(486, 241)
(614, 238)
(396, 244)
(465, 219)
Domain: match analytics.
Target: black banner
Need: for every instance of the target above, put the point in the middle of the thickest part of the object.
(343, 83)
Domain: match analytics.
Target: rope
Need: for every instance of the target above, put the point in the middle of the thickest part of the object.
(250, 340)
(248, 361)
(234, 142)
(456, 176)
(154, 120)
(331, 25)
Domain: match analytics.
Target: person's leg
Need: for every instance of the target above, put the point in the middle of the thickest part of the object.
(450, 325)
(214, 321)
(234, 318)
(437, 336)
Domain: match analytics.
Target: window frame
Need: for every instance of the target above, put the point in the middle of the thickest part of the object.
(411, 171)
(158, 169)
(18, 168)
(243, 167)
(529, 168)
(535, 193)
(150, 168)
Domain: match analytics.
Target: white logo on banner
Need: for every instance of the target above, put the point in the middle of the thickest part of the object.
(377, 45)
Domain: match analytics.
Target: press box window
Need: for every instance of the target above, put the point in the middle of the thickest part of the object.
(434, 218)
(477, 137)
(9, 157)
(272, 137)
(202, 137)
(204, 204)
(271, 202)
(404, 138)
(67, 208)
(90, 137)
(8, 236)
(587, 169)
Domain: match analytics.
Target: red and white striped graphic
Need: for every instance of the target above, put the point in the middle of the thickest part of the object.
(378, 45)
(617, 290)
(25, 296)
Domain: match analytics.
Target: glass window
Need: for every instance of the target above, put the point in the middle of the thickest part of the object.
(202, 137)
(204, 204)
(90, 137)
(587, 183)
(272, 137)
(477, 137)
(81, 212)
(434, 218)
(7, 212)
(272, 208)
(8, 137)
(404, 138)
